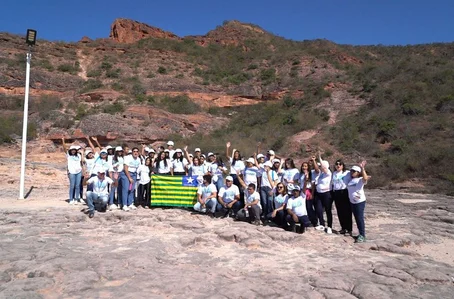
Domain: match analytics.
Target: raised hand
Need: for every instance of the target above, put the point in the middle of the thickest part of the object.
(94, 138)
(228, 144)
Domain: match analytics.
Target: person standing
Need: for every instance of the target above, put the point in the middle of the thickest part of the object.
(322, 197)
(74, 168)
(339, 182)
(115, 172)
(143, 192)
(358, 198)
(128, 179)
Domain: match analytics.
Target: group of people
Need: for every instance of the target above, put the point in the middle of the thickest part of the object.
(260, 189)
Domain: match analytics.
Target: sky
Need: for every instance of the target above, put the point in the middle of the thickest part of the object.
(357, 22)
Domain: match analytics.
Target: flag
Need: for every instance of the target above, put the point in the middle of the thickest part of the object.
(173, 191)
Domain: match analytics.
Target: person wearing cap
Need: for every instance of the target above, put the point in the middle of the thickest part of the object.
(322, 198)
(100, 193)
(128, 178)
(179, 163)
(197, 152)
(115, 170)
(162, 164)
(250, 172)
(217, 170)
(269, 182)
(143, 192)
(206, 196)
(228, 198)
(280, 201)
(296, 210)
(259, 160)
(195, 167)
(270, 155)
(277, 166)
(340, 179)
(170, 145)
(74, 169)
(357, 198)
(252, 208)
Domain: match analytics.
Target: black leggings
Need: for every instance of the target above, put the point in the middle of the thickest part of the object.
(344, 209)
(324, 201)
(143, 195)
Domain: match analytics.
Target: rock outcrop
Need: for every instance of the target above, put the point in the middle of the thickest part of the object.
(129, 31)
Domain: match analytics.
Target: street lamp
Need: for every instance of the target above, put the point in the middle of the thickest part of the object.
(30, 39)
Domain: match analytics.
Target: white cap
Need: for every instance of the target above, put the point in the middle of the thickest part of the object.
(178, 150)
(78, 147)
(250, 160)
(296, 187)
(229, 178)
(202, 155)
(191, 155)
(271, 152)
(73, 147)
(268, 163)
(170, 143)
(152, 150)
(108, 147)
(276, 161)
(103, 151)
(325, 164)
(210, 154)
(260, 156)
(118, 149)
(356, 168)
(197, 149)
(166, 151)
(147, 149)
(129, 152)
(290, 187)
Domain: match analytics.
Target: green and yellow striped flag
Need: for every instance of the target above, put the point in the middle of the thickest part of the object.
(173, 191)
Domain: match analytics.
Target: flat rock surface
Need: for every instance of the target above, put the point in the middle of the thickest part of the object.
(49, 249)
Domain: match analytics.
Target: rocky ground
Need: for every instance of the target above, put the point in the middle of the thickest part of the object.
(52, 250)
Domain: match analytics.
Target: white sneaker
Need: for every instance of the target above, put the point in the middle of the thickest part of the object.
(320, 227)
(71, 202)
(113, 207)
(76, 202)
(203, 210)
(132, 207)
(125, 208)
(329, 230)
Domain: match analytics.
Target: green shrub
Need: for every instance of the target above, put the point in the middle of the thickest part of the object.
(69, 68)
(268, 75)
(113, 108)
(94, 73)
(12, 125)
(113, 73)
(11, 102)
(91, 84)
(180, 105)
(162, 70)
(105, 65)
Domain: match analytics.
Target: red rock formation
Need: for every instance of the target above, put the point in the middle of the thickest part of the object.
(129, 31)
(85, 40)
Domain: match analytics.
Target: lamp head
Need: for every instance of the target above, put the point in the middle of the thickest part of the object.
(30, 39)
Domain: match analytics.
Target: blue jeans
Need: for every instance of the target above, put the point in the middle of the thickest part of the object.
(358, 212)
(112, 194)
(219, 183)
(266, 200)
(74, 186)
(93, 198)
(127, 196)
(235, 208)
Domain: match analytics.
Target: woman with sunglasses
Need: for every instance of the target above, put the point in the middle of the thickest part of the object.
(280, 201)
(322, 198)
(358, 198)
(341, 177)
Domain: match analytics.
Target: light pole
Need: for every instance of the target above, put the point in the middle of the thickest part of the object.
(31, 41)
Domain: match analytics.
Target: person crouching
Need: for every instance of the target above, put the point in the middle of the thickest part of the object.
(100, 194)
(296, 209)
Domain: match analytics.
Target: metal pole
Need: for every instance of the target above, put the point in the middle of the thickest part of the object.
(24, 129)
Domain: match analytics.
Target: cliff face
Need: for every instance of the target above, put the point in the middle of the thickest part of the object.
(129, 31)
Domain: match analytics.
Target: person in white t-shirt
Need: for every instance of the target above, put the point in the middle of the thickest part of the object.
(322, 198)
(341, 177)
(252, 208)
(179, 163)
(100, 193)
(236, 164)
(280, 201)
(114, 172)
(163, 163)
(306, 184)
(228, 198)
(206, 196)
(74, 168)
(357, 197)
(296, 209)
(250, 172)
(269, 182)
(143, 192)
(170, 145)
(291, 173)
(128, 179)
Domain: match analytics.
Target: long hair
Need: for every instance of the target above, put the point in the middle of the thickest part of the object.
(277, 189)
(116, 155)
(175, 157)
(292, 164)
(159, 159)
(235, 159)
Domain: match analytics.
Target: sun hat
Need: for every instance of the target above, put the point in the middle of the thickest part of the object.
(197, 149)
(250, 160)
(271, 152)
(178, 150)
(147, 149)
(260, 156)
(108, 147)
(73, 147)
(118, 149)
(152, 150)
(276, 161)
(229, 178)
(210, 154)
(103, 151)
(268, 163)
(170, 143)
(166, 151)
(356, 168)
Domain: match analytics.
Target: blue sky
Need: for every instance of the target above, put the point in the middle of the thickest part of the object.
(359, 22)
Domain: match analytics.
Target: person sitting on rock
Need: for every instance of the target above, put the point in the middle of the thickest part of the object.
(206, 196)
(228, 199)
(100, 194)
(252, 208)
(296, 209)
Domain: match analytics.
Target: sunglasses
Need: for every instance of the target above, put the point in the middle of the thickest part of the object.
(280, 187)
(135, 151)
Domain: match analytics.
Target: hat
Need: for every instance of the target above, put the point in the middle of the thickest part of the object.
(356, 168)
(276, 161)
(78, 147)
(203, 156)
(271, 152)
(250, 160)
(109, 147)
(147, 149)
(73, 147)
(260, 156)
(325, 164)
(191, 155)
(229, 178)
(129, 152)
(152, 150)
(290, 187)
(103, 151)
(166, 151)
(118, 149)
(178, 150)
(296, 187)
(88, 151)
(100, 170)
(197, 149)
(210, 154)
(268, 163)
(170, 143)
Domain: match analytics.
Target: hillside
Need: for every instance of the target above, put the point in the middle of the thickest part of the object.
(239, 83)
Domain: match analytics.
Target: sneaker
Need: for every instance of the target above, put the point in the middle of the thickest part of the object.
(203, 210)
(91, 214)
(125, 208)
(320, 227)
(342, 232)
(329, 230)
(76, 202)
(147, 207)
(113, 207)
(348, 233)
(360, 239)
(71, 202)
(132, 207)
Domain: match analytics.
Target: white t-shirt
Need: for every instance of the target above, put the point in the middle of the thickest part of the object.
(100, 187)
(239, 165)
(133, 164)
(297, 205)
(101, 164)
(324, 182)
(250, 175)
(356, 190)
(179, 166)
(228, 193)
(197, 170)
(144, 172)
(265, 181)
(74, 163)
(340, 180)
(261, 170)
(252, 197)
(117, 166)
(162, 168)
(206, 191)
(291, 175)
(90, 165)
(280, 200)
(215, 169)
